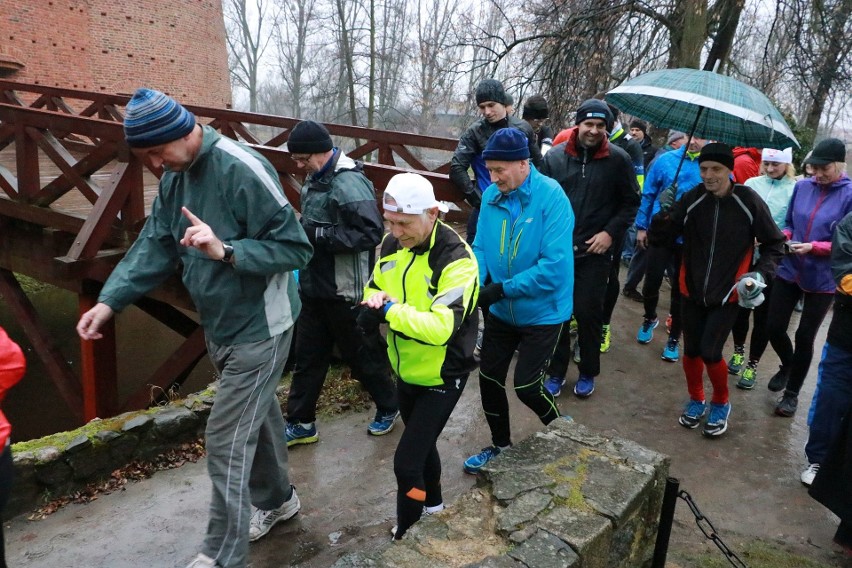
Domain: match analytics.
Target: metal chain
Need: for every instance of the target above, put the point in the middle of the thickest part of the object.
(710, 531)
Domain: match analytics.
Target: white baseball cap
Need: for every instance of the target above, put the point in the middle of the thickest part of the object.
(784, 156)
(413, 195)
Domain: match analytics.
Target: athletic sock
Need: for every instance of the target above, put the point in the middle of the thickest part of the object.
(718, 372)
(693, 368)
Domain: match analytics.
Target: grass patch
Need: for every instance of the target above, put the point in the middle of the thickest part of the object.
(30, 285)
(62, 439)
(755, 554)
(340, 393)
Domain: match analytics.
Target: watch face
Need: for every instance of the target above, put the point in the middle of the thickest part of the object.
(229, 252)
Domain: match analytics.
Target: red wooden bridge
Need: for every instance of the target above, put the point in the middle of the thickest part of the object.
(74, 198)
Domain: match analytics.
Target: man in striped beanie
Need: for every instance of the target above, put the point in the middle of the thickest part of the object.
(222, 214)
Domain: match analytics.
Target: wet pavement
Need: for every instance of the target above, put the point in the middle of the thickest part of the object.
(746, 483)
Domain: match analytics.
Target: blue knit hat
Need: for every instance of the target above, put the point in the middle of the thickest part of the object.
(152, 118)
(507, 145)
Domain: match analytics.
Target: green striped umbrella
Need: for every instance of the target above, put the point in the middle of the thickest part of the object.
(706, 104)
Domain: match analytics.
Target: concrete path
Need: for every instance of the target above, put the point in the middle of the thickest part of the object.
(746, 483)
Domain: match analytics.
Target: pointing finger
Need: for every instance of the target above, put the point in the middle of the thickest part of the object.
(192, 218)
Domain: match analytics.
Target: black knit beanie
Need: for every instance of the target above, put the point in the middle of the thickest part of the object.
(491, 90)
(535, 107)
(717, 152)
(309, 137)
(593, 108)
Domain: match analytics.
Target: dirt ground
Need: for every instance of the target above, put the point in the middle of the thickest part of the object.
(746, 483)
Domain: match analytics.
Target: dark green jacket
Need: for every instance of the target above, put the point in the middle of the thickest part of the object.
(235, 191)
(342, 221)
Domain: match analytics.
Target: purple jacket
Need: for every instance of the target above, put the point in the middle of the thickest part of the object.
(813, 213)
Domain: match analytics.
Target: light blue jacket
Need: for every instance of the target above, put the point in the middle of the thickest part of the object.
(524, 240)
(776, 193)
(660, 175)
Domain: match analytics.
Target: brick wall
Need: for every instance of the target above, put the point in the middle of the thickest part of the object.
(114, 46)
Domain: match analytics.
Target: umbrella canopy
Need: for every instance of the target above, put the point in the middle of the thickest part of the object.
(726, 110)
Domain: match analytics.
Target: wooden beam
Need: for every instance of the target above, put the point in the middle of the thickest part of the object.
(99, 367)
(168, 315)
(97, 158)
(26, 158)
(94, 231)
(410, 158)
(55, 363)
(173, 371)
(65, 162)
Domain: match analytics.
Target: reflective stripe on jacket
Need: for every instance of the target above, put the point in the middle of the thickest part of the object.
(432, 328)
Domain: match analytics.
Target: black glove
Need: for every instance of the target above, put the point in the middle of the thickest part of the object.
(490, 294)
(473, 198)
(369, 320)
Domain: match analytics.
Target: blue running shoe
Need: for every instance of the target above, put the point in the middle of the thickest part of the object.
(693, 413)
(717, 421)
(554, 385)
(585, 386)
(474, 463)
(671, 353)
(646, 332)
(383, 423)
(299, 434)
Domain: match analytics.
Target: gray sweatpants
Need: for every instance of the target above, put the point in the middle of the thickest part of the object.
(246, 447)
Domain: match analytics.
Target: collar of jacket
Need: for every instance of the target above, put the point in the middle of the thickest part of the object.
(571, 148)
(616, 134)
(209, 138)
(325, 174)
(524, 192)
(338, 162)
(426, 245)
(502, 123)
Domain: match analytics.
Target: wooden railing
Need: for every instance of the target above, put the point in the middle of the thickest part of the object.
(76, 181)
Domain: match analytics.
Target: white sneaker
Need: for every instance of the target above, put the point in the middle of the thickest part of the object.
(202, 561)
(427, 511)
(262, 521)
(809, 474)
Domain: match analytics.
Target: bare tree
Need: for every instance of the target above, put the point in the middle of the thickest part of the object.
(291, 41)
(248, 36)
(435, 54)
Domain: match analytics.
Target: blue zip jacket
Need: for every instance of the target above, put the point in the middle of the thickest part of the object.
(524, 240)
(660, 175)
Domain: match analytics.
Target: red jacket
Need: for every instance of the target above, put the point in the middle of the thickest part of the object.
(746, 163)
(12, 367)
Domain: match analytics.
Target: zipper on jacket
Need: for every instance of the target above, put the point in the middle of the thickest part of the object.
(712, 251)
(404, 296)
(512, 255)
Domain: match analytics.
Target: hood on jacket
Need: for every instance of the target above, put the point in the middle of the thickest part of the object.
(571, 148)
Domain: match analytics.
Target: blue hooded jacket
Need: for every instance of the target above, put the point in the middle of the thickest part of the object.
(524, 240)
(660, 176)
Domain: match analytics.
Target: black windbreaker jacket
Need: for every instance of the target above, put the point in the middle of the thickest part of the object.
(718, 241)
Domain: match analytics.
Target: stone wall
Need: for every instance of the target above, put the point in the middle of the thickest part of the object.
(60, 464)
(563, 498)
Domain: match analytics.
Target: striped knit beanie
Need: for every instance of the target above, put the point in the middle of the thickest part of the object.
(152, 118)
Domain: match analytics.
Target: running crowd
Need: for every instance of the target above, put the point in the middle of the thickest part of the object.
(554, 217)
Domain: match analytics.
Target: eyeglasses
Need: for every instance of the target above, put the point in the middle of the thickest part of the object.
(300, 158)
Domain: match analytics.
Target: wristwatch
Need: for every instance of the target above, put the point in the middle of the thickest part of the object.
(229, 252)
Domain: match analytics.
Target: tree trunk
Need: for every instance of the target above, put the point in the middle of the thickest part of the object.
(828, 66)
(727, 13)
